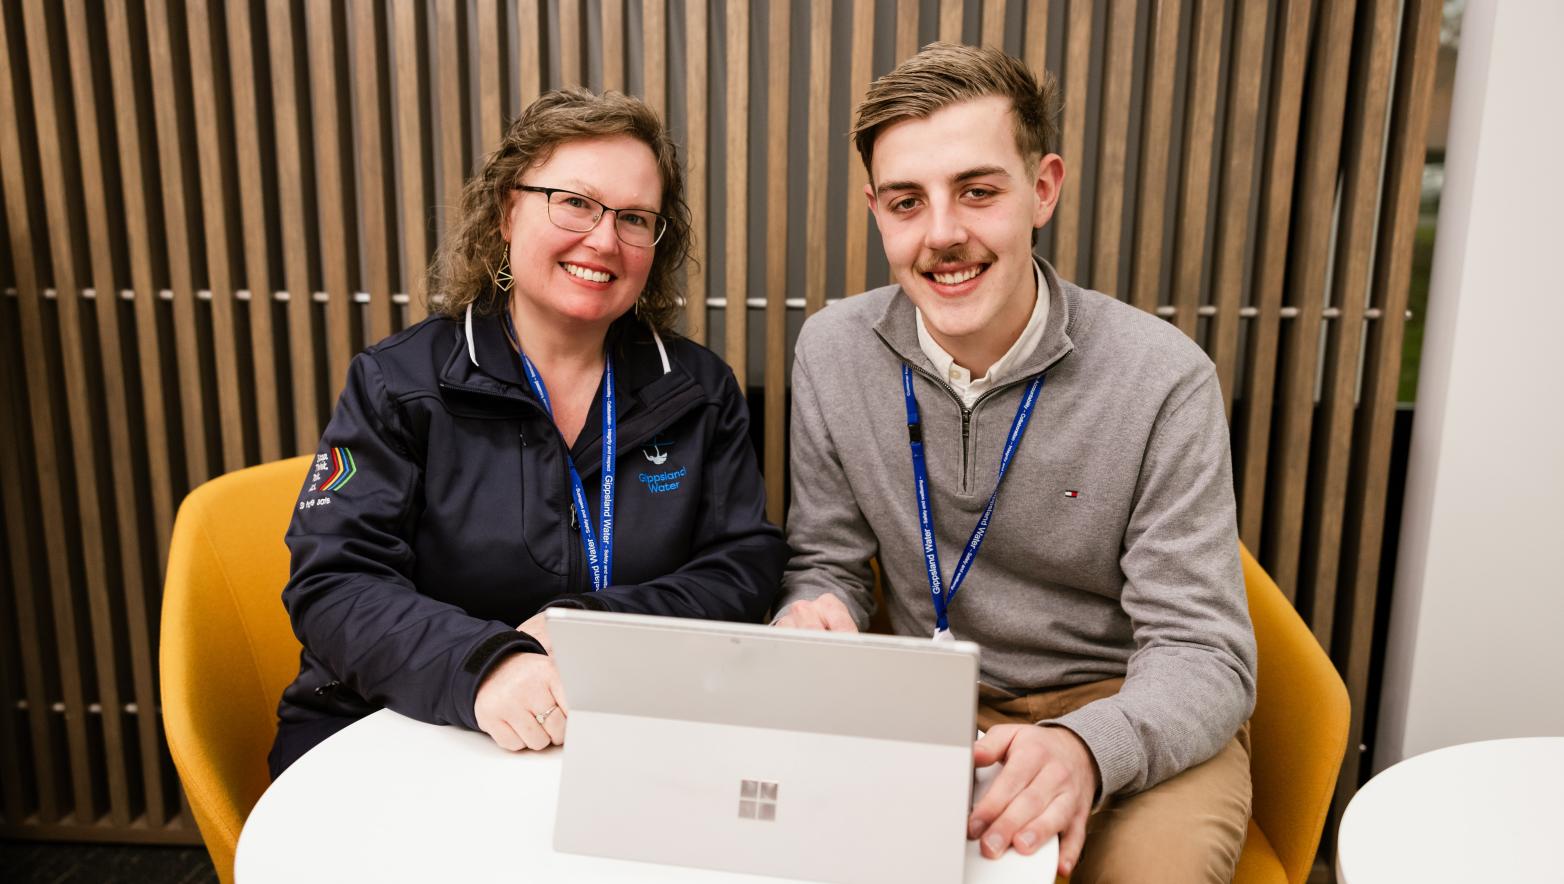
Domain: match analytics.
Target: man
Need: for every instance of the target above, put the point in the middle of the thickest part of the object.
(1087, 443)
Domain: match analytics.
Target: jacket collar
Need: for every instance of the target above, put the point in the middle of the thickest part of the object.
(898, 328)
(483, 360)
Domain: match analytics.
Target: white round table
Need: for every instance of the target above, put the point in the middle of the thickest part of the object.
(1489, 811)
(392, 799)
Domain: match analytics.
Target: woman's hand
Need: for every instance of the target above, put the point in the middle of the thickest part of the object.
(514, 695)
(537, 627)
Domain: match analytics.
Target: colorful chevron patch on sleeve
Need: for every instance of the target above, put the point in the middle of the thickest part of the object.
(343, 469)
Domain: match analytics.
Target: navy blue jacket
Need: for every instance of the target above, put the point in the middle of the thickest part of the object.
(437, 517)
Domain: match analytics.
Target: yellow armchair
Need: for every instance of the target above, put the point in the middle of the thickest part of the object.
(1298, 735)
(227, 647)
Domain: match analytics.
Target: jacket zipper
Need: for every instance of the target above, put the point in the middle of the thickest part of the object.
(573, 572)
(966, 418)
(966, 437)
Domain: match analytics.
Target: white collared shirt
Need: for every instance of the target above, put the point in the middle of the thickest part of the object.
(959, 379)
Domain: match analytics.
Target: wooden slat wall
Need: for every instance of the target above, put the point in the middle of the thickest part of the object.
(210, 205)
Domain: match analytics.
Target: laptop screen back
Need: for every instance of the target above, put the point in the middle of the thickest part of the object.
(822, 756)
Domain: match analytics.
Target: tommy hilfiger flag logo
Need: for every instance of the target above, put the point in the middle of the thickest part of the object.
(1072, 494)
(343, 469)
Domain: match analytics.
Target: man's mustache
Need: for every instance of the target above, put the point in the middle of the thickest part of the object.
(955, 255)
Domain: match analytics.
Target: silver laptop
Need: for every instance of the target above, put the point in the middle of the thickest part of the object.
(811, 755)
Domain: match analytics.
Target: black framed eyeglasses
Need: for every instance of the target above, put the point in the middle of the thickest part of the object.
(579, 213)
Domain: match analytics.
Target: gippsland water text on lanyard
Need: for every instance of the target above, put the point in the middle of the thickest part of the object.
(600, 544)
(920, 475)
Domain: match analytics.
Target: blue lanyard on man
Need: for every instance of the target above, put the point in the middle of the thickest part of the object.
(920, 475)
(599, 546)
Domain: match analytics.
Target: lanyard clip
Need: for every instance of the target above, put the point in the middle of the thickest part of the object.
(915, 433)
(573, 525)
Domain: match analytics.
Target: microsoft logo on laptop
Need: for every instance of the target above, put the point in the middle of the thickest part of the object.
(758, 800)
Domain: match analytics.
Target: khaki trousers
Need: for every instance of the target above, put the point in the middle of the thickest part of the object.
(1189, 827)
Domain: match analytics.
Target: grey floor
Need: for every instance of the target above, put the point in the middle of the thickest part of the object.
(39, 862)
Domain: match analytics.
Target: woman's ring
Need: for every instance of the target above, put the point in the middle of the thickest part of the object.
(543, 716)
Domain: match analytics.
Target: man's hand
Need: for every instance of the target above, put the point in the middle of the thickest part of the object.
(537, 627)
(1045, 789)
(513, 694)
(826, 612)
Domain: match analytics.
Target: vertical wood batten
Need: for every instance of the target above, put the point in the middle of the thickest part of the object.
(856, 225)
(614, 44)
(1112, 147)
(695, 97)
(529, 43)
(55, 126)
(1195, 178)
(951, 13)
(906, 29)
(819, 156)
(492, 73)
(1156, 147)
(779, 44)
(216, 185)
(251, 194)
(287, 113)
(1036, 37)
(1275, 223)
(449, 61)
(15, 185)
(1364, 159)
(1237, 193)
(1306, 285)
(571, 70)
(371, 140)
(654, 21)
(1077, 69)
(1365, 520)
(332, 176)
(92, 143)
(52, 482)
(414, 150)
(993, 24)
(168, 97)
(735, 320)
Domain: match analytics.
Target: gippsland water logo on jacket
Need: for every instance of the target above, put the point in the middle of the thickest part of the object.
(656, 453)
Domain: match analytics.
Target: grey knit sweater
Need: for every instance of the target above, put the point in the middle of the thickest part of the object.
(1113, 550)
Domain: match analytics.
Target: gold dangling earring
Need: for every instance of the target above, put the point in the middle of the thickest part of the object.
(502, 276)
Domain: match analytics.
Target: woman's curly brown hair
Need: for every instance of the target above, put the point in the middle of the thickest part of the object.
(462, 270)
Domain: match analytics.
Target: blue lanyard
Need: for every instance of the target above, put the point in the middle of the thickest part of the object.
(920, 475)
(599, 553)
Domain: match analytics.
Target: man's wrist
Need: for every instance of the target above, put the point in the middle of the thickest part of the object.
(1090, 760)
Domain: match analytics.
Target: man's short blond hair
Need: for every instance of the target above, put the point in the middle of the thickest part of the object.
(943, 74)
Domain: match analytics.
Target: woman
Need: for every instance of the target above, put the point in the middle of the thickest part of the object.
(461, 486)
